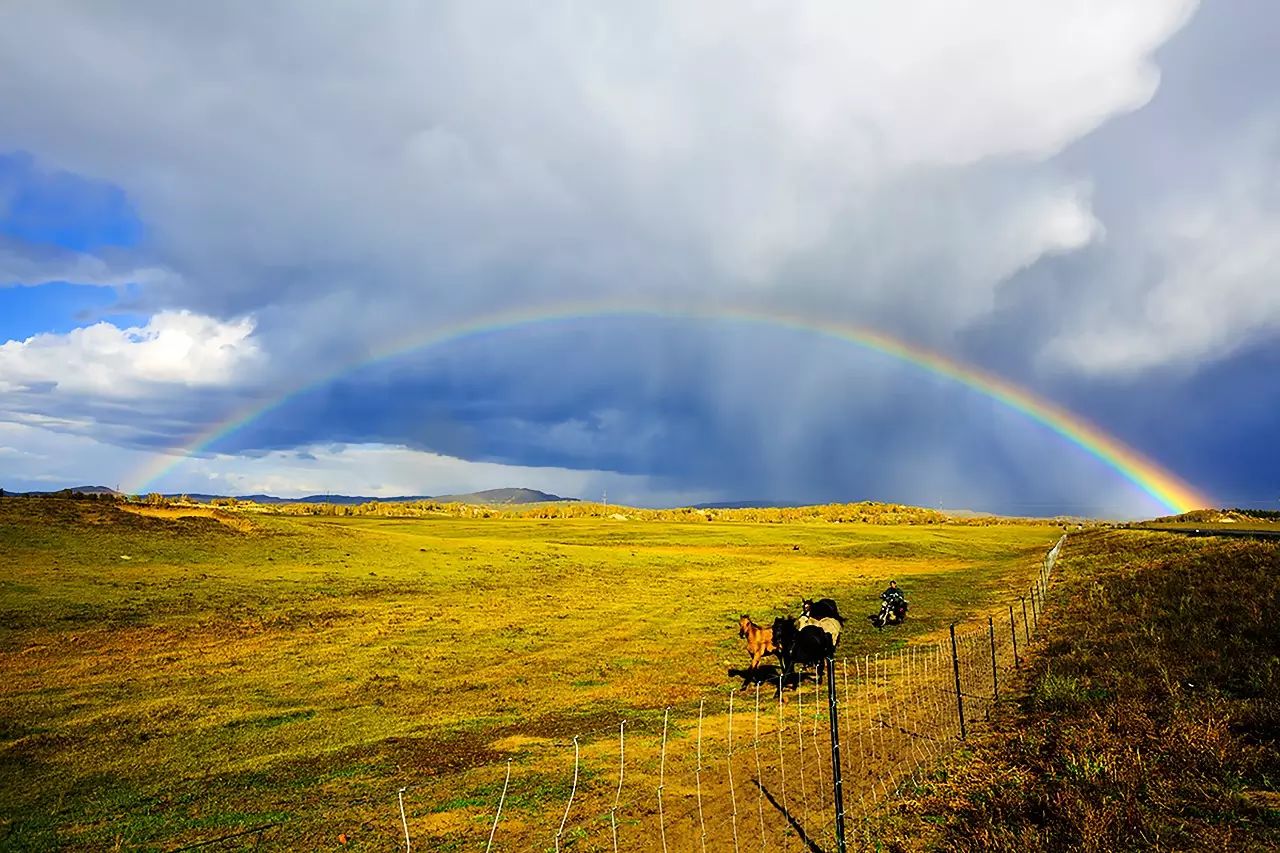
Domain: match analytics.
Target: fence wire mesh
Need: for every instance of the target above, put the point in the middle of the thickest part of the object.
(753, 769)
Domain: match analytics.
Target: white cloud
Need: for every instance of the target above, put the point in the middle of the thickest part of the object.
(174, 348)
(50, 458)
(1201, 283)
(428, 151)
(355, 176)
(381, 470)
(56, 459)
(22, 264)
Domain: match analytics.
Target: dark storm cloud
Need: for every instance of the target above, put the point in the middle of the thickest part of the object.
(842, 423)
(346, 180)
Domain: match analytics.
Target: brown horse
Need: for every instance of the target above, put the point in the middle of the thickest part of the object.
(759, 640)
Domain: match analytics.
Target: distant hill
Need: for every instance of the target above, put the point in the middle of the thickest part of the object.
(1218, 516)
(488, 496)
(75, 490)
(749, 504)
(501, 496)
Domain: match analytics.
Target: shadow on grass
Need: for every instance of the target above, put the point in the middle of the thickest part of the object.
(765, 675)
(770, 675)
(795, 824)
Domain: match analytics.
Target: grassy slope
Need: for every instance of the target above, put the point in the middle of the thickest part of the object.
(1149, 716)
(1270, 528)
(165, 679)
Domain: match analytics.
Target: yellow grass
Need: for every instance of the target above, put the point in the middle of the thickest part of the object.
(302, 669)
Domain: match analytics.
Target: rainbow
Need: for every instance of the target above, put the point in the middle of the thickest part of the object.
(1166, 488)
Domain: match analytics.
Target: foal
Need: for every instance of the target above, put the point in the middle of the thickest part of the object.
(759, 640)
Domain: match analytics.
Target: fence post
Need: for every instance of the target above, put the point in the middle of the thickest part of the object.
(1026, 626)
(836, 780)
(572, 791)
(662, 777)
(403, 819)
(1035, 612)
(955, 664)
(617, 797)
(502, 799)
(759, 775)
(733, 794)
(1013, 630)
(995, 681)
(698, 771)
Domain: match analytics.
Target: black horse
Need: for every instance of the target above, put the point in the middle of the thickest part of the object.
(823, 608)
(808, 646)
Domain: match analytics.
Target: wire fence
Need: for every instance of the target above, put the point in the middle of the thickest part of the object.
(771, 767)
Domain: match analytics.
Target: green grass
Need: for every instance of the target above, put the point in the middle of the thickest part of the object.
(169, 680)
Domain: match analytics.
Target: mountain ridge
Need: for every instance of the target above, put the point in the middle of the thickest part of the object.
(507, 495)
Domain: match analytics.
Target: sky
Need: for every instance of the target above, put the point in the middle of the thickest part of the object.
(410, 248)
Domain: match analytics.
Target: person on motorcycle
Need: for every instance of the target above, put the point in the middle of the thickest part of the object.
(896, 601)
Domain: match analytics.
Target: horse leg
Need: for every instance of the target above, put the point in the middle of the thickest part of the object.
(751, 673)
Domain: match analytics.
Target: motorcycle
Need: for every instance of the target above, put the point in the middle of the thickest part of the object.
(891, 613)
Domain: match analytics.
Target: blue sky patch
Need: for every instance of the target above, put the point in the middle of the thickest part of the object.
(63, 209)
(58, 308)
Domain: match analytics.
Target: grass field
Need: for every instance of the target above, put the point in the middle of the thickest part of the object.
(1260, 528)
(170, 679)
(1149, 718)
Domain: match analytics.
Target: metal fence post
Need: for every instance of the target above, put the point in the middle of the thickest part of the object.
(403, 819)
(1013, 630)
(836, 779)
(1035, 610)
(955, 665)
(1026, 626)
(995, 682)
